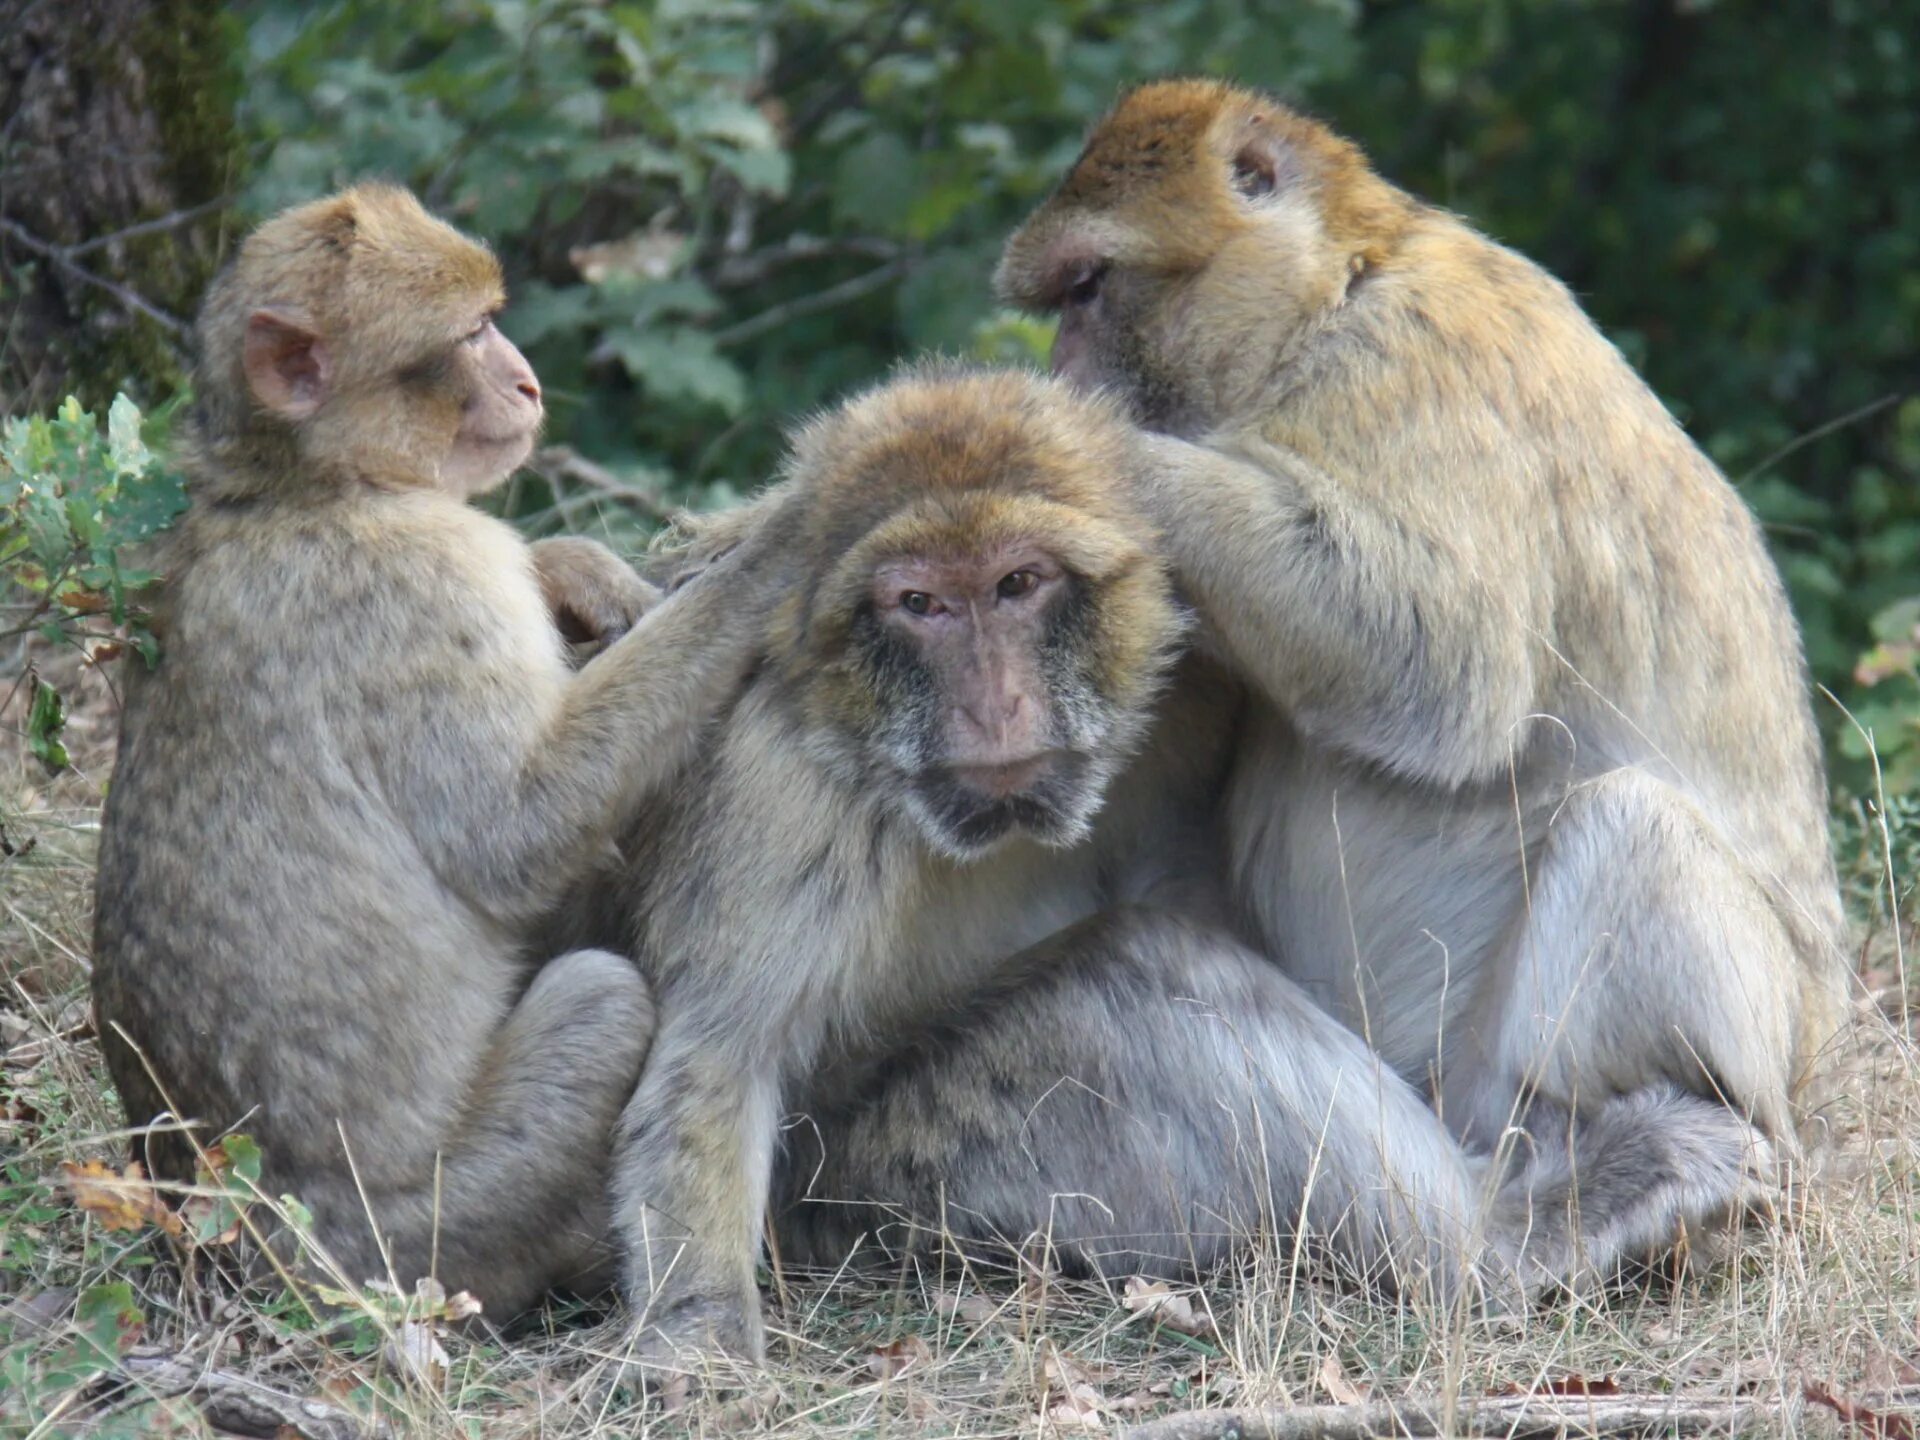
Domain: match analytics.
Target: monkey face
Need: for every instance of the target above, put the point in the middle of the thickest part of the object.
(985, 718)
(1202, 230)
(353, 338)
(982, 641)
(500, 411)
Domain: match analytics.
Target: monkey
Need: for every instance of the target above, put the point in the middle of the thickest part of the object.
(902, 836)
(1529, 792)
(362, 769)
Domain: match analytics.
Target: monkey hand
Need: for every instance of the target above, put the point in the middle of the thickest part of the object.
(595, 597)
(695, 542)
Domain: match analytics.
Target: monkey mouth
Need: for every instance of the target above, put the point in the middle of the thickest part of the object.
(971, 808)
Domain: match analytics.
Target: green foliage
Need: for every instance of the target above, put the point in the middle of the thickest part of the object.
(717, 215)
(34, 1382)
(73, 502)
(1730, 189)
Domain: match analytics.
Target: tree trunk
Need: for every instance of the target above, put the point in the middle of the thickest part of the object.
(117, 152)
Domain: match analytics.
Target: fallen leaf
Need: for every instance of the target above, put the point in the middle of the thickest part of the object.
(1578, 1385)
(1888, 1369)
(897, 1357)
(123, 1201)
(416, 1349)
(645, 254)
(1073, 1414)
(1333, 1380)
(1070, 1400)
(1159, 1302)
(1871, 1423)
(974, 1309)
(675, 1391)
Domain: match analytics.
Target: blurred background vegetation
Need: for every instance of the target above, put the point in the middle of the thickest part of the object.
(717, 213)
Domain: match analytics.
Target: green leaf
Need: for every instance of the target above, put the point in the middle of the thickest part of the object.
(124, 445)
(142, 506)
(49, 535)
(681, 364)
(45, 720)
(874, 184)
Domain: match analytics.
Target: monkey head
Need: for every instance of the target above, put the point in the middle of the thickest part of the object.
(984, 631)
(1202, 233)
(353, 338)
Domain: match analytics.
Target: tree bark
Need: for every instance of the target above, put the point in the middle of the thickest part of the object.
(117, 148)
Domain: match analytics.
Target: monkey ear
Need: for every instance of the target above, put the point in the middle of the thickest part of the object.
(288, 367)
(1261, 165)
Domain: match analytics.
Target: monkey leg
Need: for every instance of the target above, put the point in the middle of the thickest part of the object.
(514, 1201)
(1634, 1034)
(1139, 1094)
(691, 1158)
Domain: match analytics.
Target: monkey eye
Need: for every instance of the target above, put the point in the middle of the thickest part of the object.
(1084, 287)
(918, 602)
(1020, 582)
(475, 335)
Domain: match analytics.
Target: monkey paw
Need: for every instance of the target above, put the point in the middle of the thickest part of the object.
(695, 1347)
(595, 596)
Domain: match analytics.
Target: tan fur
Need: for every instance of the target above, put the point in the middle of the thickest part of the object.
(362, 770)
(1537, 799)
(802, 922)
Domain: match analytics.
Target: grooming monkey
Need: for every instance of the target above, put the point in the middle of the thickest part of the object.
(909, 790)
(362, 769)
(1531, 794)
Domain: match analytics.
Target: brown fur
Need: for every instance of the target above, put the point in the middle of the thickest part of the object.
(362, 770)
(1536, 798)
(814, 938)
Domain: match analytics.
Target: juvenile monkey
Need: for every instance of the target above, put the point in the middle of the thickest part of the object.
(362, 768)
(911, 789)
(1531, 794)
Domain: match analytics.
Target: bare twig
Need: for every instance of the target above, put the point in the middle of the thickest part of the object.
(750, 269)
(1514, 1417)
(833, 296)
(145, 227)
(59, 256)
(562, 462)
(1820, 432)
(246, 1407)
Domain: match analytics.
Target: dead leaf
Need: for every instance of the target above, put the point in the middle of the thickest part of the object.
(1578, 1385)
(1333, 1380)
(1888, 1369)
(126, 1201)
(896, 1358)
(974, 1309)
(416, 1349)
(1159, 1302)
(644, 255)
(675, 1391)
(1071, 1401)
(1871, 1423)
(1563, 1385)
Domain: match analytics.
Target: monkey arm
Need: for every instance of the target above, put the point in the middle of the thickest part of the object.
(693, 1157)
(528, 773)
(1376, 635)
(694, 541)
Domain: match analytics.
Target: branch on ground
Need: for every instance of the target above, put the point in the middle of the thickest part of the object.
(1892, 1416)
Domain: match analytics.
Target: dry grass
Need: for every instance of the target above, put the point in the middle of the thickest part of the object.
(1827, 1290)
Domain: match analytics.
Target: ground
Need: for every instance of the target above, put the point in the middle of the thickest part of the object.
(113, 1320)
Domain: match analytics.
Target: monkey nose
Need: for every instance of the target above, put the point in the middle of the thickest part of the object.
(530, 387)
(993, 719)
